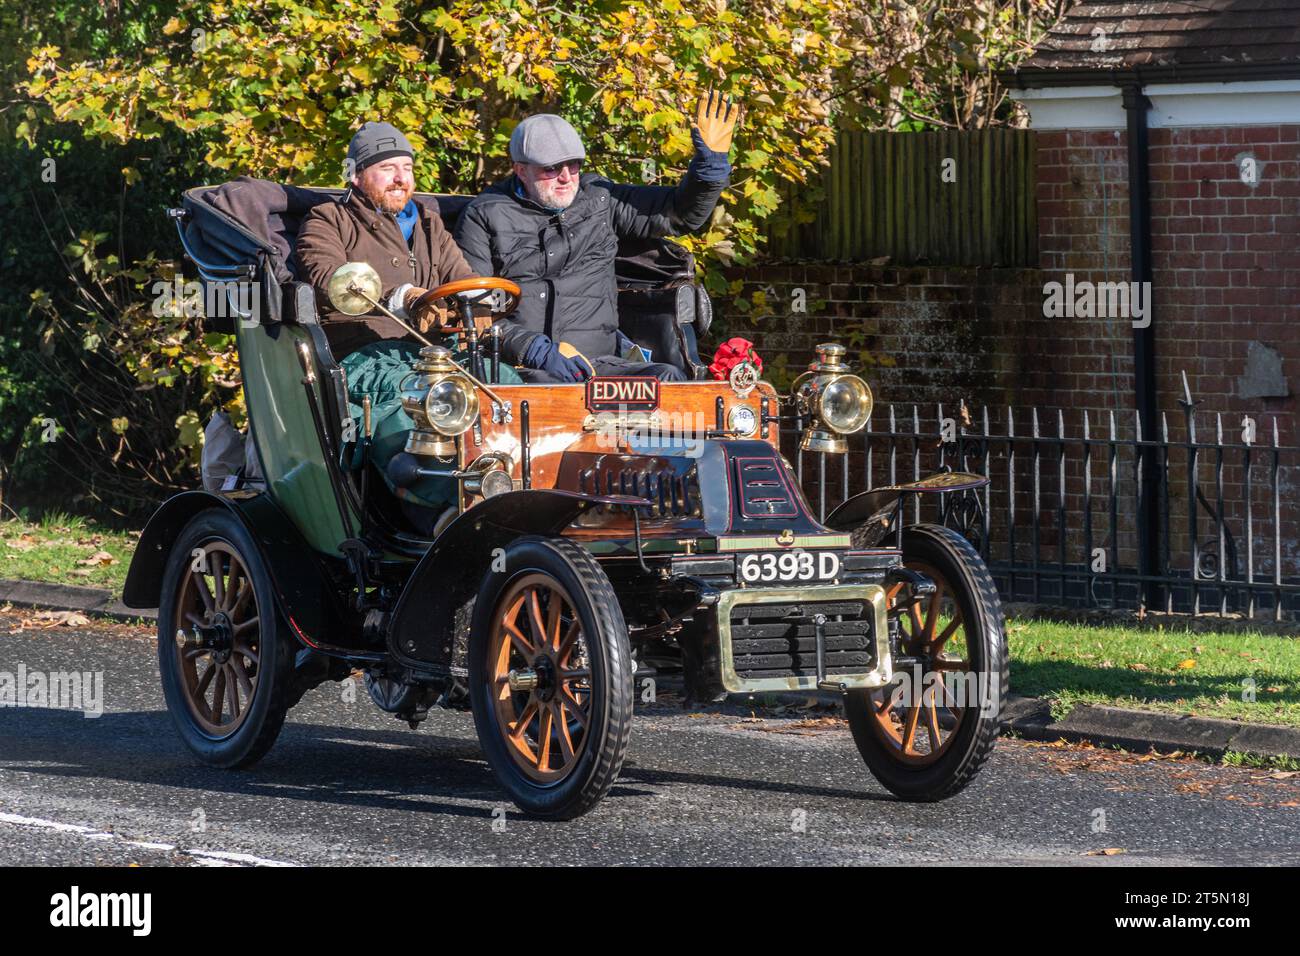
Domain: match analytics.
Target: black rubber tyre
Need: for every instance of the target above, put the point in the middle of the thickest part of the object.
(265, 666)
(588, 718)
(944, 770)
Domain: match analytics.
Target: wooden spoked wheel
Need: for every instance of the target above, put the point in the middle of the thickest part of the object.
(218, 638)
(541, 678)
(550, 677)
(926, 735)
(919, 715)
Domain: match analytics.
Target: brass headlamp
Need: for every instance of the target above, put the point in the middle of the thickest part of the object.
(488, 475)
(442, 402)
(838, 402)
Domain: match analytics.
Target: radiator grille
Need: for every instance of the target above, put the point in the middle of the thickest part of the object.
(671, 494)
(779, 640)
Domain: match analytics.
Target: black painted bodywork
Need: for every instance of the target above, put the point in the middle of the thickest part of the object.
(308, 597)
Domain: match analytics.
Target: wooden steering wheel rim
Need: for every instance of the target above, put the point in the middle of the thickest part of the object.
(472, 284)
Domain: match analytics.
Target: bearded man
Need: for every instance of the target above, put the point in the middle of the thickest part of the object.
(378, 220)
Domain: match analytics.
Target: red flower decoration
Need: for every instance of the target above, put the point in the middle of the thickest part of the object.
(730, 354)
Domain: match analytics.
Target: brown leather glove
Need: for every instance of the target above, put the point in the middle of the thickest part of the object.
(716, 117)
(430, 313)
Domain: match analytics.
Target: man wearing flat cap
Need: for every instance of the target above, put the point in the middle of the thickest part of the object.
(554, 230)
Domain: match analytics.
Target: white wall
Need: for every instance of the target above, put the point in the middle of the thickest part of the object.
(1256, 103)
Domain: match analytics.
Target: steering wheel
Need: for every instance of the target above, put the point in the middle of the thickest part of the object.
(462, 289)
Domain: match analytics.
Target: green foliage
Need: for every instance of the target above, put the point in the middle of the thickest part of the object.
(137, 100)
(275, 89)
(629, 73)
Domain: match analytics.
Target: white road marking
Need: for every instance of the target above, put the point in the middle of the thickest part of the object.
(202, 857)
(234, 858)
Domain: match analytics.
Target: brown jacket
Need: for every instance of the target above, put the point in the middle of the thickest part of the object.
(353, 230)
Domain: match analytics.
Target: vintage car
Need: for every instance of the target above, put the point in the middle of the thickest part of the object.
(605, 533)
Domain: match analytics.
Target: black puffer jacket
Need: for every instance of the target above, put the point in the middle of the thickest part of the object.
(564, 261)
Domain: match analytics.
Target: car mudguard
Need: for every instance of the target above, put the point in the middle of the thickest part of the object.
(421, 633)
(306, 597)
(869, 504)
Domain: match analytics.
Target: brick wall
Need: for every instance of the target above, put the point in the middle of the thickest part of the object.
(1226, 261)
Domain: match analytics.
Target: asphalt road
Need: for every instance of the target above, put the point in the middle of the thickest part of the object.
(347, 784)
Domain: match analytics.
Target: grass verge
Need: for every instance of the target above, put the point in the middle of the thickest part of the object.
(65, 549)
(1201, 674)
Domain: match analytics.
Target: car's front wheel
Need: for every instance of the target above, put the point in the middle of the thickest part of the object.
(550, 674)
(926, 735)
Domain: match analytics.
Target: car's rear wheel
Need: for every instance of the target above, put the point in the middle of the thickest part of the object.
(926, 735)
(551, 677)
(223, 656)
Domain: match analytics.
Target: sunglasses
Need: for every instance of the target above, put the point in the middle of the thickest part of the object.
(574, 166)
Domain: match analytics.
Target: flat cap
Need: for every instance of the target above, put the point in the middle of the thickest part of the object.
(544, 140)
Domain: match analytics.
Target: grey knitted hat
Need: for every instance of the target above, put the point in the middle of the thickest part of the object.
(375, 142)
(545, 139)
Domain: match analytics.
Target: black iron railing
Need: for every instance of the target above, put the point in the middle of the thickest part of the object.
(1059, 521)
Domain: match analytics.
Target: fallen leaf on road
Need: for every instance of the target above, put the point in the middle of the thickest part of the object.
(56, 618)
(1152, 755)
(1109, 851)
(803, 728)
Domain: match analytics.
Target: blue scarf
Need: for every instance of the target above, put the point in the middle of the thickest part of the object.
(406, 220)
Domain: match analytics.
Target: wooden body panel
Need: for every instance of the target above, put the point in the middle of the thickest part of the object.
(556, 414)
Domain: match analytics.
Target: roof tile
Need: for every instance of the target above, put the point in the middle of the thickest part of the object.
(1174, 32)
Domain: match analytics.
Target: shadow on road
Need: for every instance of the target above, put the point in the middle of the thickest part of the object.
(349, 766)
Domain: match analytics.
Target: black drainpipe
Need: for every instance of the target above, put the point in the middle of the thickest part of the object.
(1144, 352)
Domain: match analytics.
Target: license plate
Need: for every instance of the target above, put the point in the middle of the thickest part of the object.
(787, 567)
